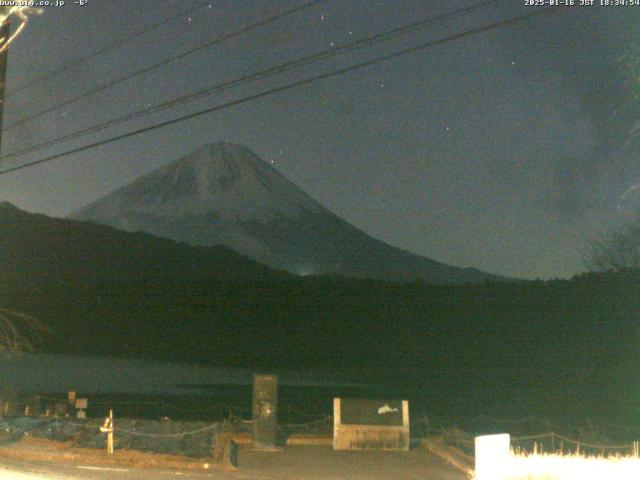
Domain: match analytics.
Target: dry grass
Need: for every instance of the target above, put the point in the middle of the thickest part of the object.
(571, 467)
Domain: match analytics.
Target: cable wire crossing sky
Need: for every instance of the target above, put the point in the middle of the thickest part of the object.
(486, 134)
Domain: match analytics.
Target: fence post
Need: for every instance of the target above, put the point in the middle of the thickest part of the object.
(110, 435)
(108, 429)
(492, 456)
(225, 450)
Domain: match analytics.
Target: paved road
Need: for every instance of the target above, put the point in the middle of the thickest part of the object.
(294, 463)
(22, 470)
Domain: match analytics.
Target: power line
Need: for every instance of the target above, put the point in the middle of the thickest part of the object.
(289, 86)
(261, 75)
(167, 61)
(110, 46)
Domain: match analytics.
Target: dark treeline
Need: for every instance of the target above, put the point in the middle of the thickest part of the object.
(562, 343)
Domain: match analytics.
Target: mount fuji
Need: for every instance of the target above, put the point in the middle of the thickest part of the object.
(224, 194)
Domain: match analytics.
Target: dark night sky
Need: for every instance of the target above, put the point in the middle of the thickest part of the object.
(504, 150)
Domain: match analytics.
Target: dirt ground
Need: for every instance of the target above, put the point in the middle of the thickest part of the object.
(323, 463)
(40, 449)
(293, 462)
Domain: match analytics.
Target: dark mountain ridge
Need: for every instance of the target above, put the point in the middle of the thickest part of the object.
(525, 346)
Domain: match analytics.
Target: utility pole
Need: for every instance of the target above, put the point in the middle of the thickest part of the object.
(5, 31)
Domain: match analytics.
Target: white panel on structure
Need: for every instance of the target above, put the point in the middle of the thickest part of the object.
(492, 456)
(361, 424)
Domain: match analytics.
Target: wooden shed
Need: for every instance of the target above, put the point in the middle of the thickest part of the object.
(360, 424)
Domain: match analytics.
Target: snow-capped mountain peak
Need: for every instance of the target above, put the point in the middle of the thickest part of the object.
(224, 179)
(225, 194)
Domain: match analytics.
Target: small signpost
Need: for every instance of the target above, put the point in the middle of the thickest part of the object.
(81, 407)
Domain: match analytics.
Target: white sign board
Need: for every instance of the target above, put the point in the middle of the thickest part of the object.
(81, 403)
(492, 456)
